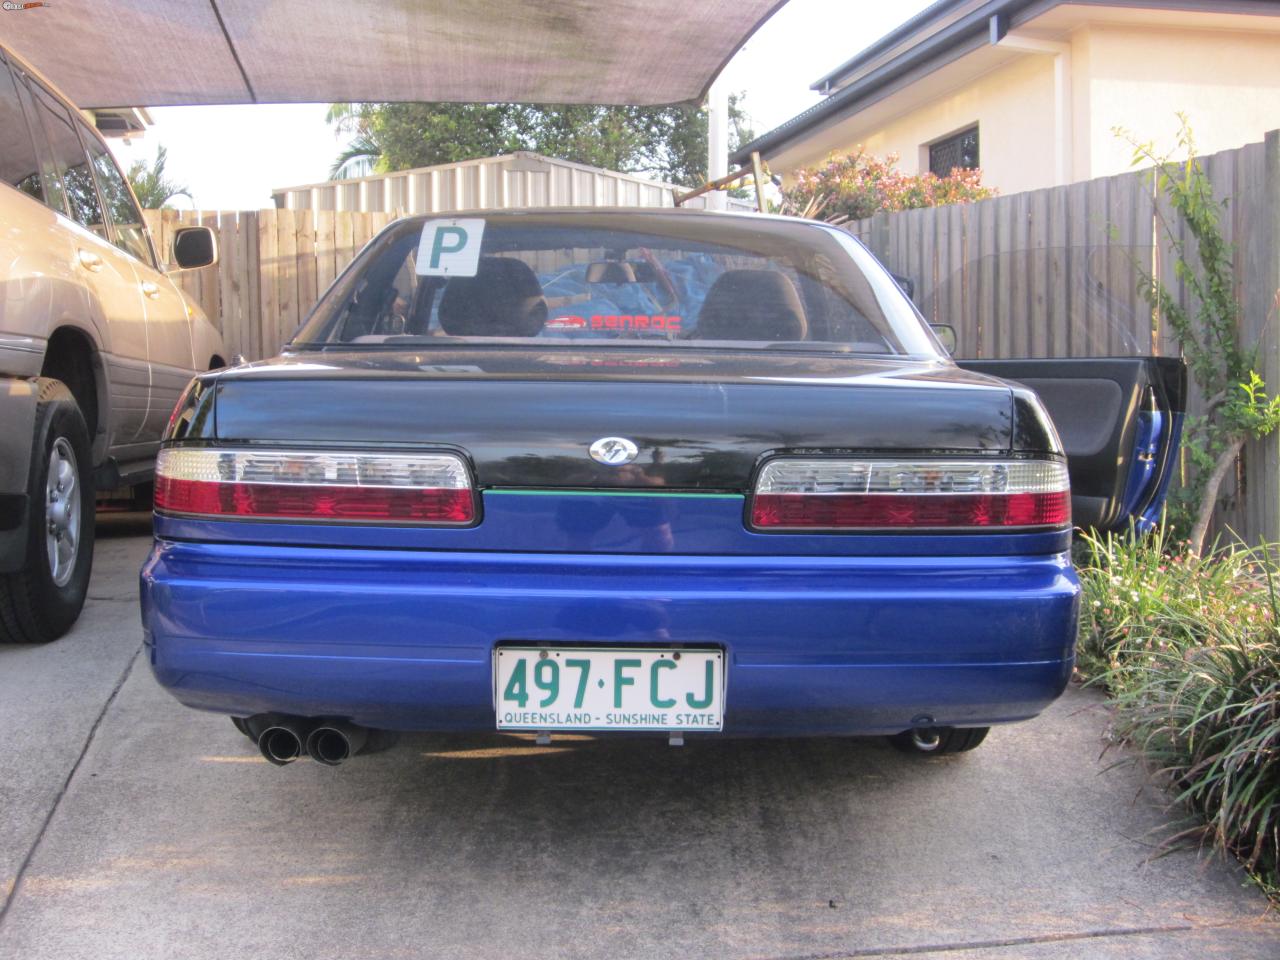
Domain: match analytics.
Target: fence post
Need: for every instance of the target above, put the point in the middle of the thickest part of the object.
(1269, 333)
(250, 293)
(268, 273)
(880, 236)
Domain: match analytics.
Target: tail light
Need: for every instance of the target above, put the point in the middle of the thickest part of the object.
(870, 494)
(315, 485)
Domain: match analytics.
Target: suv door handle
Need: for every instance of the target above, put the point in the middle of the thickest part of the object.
(89, 260)
(150, 289)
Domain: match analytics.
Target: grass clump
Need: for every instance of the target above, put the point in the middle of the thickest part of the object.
(1188, 648)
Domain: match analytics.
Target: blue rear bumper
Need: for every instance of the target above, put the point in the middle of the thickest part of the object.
(403, 639)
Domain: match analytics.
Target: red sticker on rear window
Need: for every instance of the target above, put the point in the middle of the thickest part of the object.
(618, 321)
(637, 321)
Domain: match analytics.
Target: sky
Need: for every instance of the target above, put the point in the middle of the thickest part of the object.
(232, 157)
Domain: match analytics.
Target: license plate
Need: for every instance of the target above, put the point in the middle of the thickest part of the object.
(589, 688)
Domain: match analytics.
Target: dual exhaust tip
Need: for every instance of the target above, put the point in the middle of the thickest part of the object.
(329, 742)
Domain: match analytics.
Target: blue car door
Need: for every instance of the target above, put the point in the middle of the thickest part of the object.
(1120, 419)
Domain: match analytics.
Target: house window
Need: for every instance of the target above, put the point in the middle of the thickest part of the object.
(957, 150)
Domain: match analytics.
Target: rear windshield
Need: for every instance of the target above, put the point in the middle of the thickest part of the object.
(616, 279)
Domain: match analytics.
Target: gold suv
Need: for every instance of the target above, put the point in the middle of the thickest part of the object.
(96, 345)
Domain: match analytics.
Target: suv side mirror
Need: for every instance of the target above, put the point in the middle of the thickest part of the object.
(946, 335)
(194, 247)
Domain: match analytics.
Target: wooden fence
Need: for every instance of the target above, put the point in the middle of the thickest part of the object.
(272, 267)
(1054, 273)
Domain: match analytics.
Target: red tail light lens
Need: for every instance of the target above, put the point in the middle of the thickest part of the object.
(315, 485)
(879, 494)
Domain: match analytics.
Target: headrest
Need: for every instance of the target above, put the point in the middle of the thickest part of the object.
(752, 305)
(503, 299)
(611, 271)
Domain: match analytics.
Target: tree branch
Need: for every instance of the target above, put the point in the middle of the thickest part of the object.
(1210, 498)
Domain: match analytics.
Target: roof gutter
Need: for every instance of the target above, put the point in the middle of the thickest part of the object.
(986, 24)
(961, 37)
(902, 32)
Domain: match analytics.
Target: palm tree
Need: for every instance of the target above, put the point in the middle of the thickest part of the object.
(150, 184)
(359, 158)
(361, 155)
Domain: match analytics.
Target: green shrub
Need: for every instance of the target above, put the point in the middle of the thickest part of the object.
(1188, 647)
(1155, 593)
(1206, 320)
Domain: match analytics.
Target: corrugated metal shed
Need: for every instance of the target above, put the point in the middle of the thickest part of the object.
(519, 179)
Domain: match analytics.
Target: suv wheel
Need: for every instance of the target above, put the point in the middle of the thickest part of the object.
(41, 601)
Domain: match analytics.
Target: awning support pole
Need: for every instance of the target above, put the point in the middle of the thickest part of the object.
(717, 138)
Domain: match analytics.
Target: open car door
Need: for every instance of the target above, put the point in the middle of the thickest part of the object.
(1120, 419)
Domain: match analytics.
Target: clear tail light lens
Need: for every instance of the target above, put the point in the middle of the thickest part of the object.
(315, 485)
(875, 494)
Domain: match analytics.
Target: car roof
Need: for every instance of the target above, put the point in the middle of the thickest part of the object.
(26, 67)
(569, 213)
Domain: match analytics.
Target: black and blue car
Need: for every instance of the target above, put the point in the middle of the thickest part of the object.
(623, 470)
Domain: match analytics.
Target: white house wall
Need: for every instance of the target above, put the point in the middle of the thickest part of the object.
(1227, 82)
(1012, 105)
(1129, 68)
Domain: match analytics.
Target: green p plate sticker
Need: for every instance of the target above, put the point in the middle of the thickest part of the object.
(450, 248)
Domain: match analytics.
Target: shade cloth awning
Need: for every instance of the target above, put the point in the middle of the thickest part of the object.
(150, 53)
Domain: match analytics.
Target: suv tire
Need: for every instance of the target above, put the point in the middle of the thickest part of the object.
(41, 601)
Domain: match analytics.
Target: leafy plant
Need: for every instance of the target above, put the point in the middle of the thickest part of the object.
(1237, 405)
(1156, 591)
(860, 184)
(151, 184)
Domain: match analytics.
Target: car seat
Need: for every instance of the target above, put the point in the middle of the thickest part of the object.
(503, 299)
(752, 305)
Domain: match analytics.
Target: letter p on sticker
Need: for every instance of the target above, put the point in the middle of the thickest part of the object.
(450, 248)
(448, 240)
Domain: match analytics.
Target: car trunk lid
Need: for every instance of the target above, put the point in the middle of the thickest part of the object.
(702, 420)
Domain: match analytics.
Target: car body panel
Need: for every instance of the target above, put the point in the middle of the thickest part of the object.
(404, 639)
(115, 306)
(170, 356)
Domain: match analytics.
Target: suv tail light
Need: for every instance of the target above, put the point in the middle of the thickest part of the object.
(315, 485)
(870, 494)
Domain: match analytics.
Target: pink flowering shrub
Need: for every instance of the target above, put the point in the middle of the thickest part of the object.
(857, 185)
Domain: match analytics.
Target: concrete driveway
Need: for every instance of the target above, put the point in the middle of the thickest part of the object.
(133, 828)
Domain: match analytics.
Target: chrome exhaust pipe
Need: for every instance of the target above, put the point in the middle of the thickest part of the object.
(282, 741)
(926, 739)
(335, 742)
